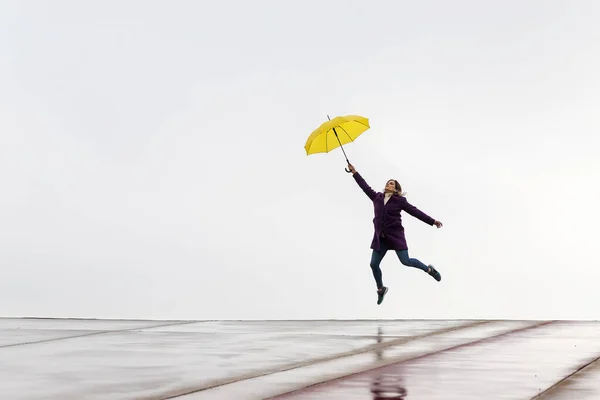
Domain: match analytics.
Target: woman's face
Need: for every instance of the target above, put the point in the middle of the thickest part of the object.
(390, 186)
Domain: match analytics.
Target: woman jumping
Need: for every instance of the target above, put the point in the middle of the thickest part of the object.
(389, 232)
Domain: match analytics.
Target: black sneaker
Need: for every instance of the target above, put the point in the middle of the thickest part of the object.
(381, 294)
(433, 272)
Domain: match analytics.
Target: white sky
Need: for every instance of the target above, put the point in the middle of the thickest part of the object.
(152, 161)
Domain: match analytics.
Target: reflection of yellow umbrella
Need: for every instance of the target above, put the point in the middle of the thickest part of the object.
(336, 132)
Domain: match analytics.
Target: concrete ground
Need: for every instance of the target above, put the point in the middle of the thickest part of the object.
(190, 360)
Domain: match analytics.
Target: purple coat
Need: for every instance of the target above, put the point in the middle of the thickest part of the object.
(387, 216)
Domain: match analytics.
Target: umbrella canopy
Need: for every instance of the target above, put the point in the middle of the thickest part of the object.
(335, 133)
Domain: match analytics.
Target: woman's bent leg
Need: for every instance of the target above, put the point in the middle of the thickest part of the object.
(411, 262)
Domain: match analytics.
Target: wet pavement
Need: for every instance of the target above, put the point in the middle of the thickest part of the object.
(191, 360)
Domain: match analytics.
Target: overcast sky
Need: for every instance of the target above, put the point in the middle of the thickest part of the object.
(152, 157)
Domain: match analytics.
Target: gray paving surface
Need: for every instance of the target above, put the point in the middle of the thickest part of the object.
(190, 360)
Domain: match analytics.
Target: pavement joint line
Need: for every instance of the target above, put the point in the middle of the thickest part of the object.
(96, 333)
(222, 382)
(400, 360)
(560, 382)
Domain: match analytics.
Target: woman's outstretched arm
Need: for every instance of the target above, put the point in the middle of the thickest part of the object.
(415, 212)
(362, 183)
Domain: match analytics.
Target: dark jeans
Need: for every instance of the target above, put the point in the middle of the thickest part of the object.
(377, 256)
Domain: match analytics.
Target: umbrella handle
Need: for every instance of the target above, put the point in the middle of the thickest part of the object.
(339, 141)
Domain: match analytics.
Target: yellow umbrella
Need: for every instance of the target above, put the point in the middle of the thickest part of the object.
(336, 132)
